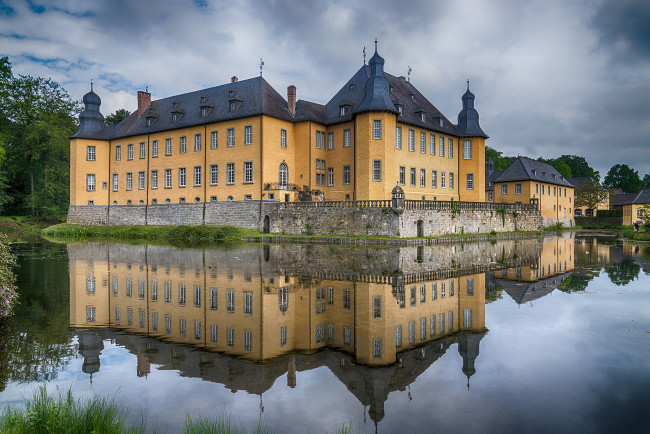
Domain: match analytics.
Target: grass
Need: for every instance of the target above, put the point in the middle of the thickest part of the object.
(642, 235)
(47, 414)
(63, 414)
(174, 235)
(21, 227)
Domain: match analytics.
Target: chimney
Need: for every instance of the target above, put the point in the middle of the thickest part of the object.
(234, 79)
(144, 101)
(291, 98)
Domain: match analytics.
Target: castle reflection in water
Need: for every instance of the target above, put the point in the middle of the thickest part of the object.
(377, 318)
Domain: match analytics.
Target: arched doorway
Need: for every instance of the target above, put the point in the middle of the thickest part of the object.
(266, 225)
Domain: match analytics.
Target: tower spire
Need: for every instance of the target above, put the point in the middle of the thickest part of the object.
(91, 84)
(364, 55)
(375, 45)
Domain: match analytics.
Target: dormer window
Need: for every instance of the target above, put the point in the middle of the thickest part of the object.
(412, 95)
(342, 111)
(204, 111)
(206, 107)
(231, 94)
(351, 86)
(391, 88)
(233, 106)
(174, 117)
(202, 100)
(422, 117)
(399, 109)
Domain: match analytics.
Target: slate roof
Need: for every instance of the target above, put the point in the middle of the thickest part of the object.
(527, 169)
(489, 179)
(523, 292)
(255, 96)
(618, 200)
(580, 180)
(642, 198)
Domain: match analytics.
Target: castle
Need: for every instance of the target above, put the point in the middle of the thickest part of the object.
(242, 141)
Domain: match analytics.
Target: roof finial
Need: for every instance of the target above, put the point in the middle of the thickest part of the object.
(375, 45)
(409, 74)
(261, 66)
(146, 89)
(91, 84)
(468, 84)
(364, 55)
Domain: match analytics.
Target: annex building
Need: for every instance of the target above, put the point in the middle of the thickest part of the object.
(243, 141)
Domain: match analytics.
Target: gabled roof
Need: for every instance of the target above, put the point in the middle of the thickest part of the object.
(580, 180)
(527, 169)
(489, 179)
(642, 198)
(621, 199)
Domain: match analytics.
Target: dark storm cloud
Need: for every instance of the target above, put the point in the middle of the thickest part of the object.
(624, 28)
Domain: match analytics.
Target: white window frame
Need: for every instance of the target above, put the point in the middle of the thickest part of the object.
(411, 140)
(412, 177)
(214, 139)
(118, 152)
(214, 174)
(90, 182)
(330, 176)
(129, 181)
(197, 142)
(470, 181)
(518, 188)
(248, 172)
(154, 179)
(230, 137)
(376, 129)
(398, 137)
(450, 141)
(423, 177)
(402, 175)
(377, 170)
(230, 173)
(141, 180)
(182, 177)
(168, 146)
(330, 141)
(441, 141)
(423, 142)
(129, 151)
(346, 175)
(91, 153)
(116, 182)
(432, 144)
(346, 138)
(467, 149)
(248, 135)
(154, 149)
(504, 189)
(434, 179)
(142, 150)
(198, 176)
(443, 179)
(182, 145)
(283, 138)
(168, 178)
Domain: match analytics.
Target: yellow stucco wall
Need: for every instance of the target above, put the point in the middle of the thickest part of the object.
(554, 201)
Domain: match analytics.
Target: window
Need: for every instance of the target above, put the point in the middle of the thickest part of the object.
(168, 146)
(376, 306)
(376, 348)
(154, 149)
(639, 213)
(320, 139)
(346, 175)
(330, 140)
(168, 324)
(413, 299)
(398, 336)
(197, 329)
(214, 174)
(441, 141)
(346, 138)
(490, 196)
(230, 173)
(90, 182)
(504, 189)
(129, 151)
(118, 153)
(283, 175)
(411, 140)
(168, 178)
(90, 153)
(248, 135)
(432, 144)
(432, 325)
(141, 180)
(537, 189)
(423, 328)
(467, 149)
(517, 188)
(248, 172)
(451, 180)
(115, 182)
(423, 176)
(423, 293)
(283, 138)
(141, 288)
(467, 318)
(154, 321)
(376, 129)
(330, 176)
(214, 298)
(434, 291)
(443, 289)
(129, 287)
(214, 139)
(129, 181)
(402, 175)
(470, 286)
(182, 145)
(248, 303)
(443, 179)
(412, 332)
(231, 138)
(434, 179)
(182, 177)
(230, 300)
(168, 292)
(423, 143)
(398, 137)
(197, 142)
(441, 318)
(320, 172)
(154, 290)
(214, 333)
(182, 293)
(450, 141)
(90, 314)
(412, 177)
(142, 150)
(451, 288)
(470, 181)
(346, 299)
(197, 176)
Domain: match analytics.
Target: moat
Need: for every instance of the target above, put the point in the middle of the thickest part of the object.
(543, 334)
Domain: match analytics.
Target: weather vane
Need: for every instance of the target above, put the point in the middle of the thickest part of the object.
(261, 66)
(364, 55)
(409, 74)
(91, 84)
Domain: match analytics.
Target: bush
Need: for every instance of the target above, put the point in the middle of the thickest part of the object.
(8, 294)
(606, 213)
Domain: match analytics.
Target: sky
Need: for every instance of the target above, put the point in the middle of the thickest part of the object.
(551, 77)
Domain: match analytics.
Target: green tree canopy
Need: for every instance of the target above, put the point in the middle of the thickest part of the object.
(117, 117)
(646, 180)
(624, 177)
(500, 162)
(558, 165)
(37, 119)
(590, 194)
(579, 167)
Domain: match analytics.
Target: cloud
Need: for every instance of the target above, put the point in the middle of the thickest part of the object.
(550, 77)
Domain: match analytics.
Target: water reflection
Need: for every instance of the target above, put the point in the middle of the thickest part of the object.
(384, 315)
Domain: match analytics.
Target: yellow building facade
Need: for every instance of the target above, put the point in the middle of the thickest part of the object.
(633, 211)
(243, 141)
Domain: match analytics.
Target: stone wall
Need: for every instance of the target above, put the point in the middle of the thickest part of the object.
(303, 219)
(568, 223)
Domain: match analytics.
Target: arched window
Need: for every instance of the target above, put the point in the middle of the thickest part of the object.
(283, 175)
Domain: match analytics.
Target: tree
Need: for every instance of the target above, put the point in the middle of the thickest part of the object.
(623, 177)
(38, 117)
(623, 272)
(579, 167)
(500, 162)
(590, 194)
(562, 168)
(117, 117)
(646, 180)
